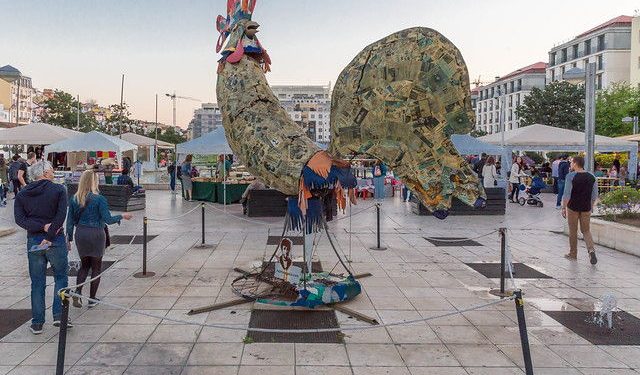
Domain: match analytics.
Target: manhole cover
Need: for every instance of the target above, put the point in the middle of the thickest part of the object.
(12, 319)
(274, 240)
(294, 320)
(520, 271)
(120, 239)
(74, 266)
(625, 331)
(452, 241)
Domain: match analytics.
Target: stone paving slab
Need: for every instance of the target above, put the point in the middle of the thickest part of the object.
(412, 279)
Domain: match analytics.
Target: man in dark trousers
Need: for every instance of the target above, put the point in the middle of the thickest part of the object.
(580, 194)
(41, 208)
(563, 170)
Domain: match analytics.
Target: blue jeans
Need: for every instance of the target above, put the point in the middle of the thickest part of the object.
(56, 255)
(560, 192)
(172, 181)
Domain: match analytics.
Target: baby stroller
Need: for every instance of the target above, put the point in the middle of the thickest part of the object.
(533, 193)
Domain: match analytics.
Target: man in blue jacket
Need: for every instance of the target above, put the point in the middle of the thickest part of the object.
(41, 208)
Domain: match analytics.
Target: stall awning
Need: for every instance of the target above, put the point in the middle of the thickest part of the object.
(212, 143)
(36, 134)
(142, 141)
(468, 145)
(92, 141)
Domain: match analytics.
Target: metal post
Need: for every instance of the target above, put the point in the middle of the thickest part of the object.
(590, 116)
(503, 266)
(203, 244)
(378, 247)
(144, 273)
(62, 337)
(78, 115)
(155, 149)
(121, 104)
(18, 101)
(503, 256)
(524, 336)
(202, 205)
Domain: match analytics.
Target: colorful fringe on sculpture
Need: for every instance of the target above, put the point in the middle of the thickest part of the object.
(319, 176)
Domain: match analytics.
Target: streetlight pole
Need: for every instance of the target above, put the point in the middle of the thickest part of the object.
(590, 116)
(78, 115)
(155, 150)
(121, 103)
(634, 120)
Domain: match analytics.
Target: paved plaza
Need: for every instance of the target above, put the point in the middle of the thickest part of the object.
(413, 279)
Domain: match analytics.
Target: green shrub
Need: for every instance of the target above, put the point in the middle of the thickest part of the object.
(619, 203)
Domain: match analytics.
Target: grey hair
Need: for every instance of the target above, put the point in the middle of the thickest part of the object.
(36, 171)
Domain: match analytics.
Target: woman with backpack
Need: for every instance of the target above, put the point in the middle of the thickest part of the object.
(89, 215)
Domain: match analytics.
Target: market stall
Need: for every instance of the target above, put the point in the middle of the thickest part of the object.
(148, 149)
(229, 187)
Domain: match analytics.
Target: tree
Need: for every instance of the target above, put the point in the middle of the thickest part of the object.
(171, 135)
(120, 119)
(612, 105)
(477, 133)
(559, 104)
(62, 110)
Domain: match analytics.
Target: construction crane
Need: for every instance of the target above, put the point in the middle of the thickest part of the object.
(174, 98)
(479, 82)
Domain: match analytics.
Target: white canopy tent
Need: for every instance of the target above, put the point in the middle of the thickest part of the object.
(539, 137)
(147, 151)
(468, 145)
(212, 143)
(92, 141)
(36, 134)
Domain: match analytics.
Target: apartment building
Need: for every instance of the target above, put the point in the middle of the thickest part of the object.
(13, 82)
(608, 45)
(205, 120)
(309, 106)
(508, 91)
(634, 63)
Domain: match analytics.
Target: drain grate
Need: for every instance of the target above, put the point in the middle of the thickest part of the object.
(74, 266)
(452, 241)
(626, 327)
(273, 319)
(274, 240)
(520, 271)
(12, 319)
(120, 239)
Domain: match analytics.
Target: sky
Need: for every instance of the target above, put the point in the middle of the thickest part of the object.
(162, 46)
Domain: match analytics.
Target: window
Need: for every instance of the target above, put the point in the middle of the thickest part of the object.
(497, 104)
(574, 65)
(563, 58)
(553, 75)
(518, 100)
(575, 51)
(587, 47)
(485, 119)
(601, 43)
(491, 105)
(563, 70)
(510, 100)
(511, 86)
(599, 82)
(490, 117)
(520, 85)
(600, 62)
(510, 114)
(492, 91)
(481, 96)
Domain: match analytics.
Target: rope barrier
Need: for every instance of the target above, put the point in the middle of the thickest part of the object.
(240, 217)
(270, 330)
(461, 239)
(173, 218)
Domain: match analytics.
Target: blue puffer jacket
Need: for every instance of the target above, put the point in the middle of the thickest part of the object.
(96, 214)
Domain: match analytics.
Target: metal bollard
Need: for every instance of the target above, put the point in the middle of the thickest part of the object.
(144, 273)
(62, 337)
(524, 336)
(378, 247)
(503, 266)
(203, 244)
